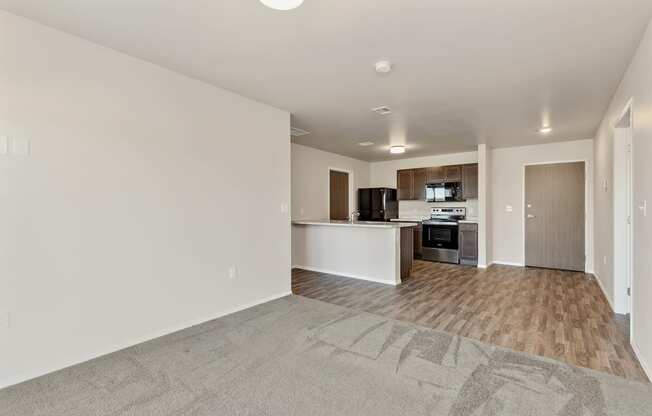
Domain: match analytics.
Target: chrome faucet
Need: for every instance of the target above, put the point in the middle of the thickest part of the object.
(354, 216)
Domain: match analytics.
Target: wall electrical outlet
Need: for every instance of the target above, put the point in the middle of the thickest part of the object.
(233, 272)
(4, 326)
(4, 145)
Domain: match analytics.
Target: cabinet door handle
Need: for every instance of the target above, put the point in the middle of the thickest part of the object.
(530, 216)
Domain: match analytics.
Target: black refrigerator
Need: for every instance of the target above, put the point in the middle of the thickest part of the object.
(377, 204)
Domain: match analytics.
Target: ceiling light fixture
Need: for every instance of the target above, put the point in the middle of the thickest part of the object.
(545, 130)
(366, 144)
(383, 111)
(383, 67)
(397, 150)
(282, 4)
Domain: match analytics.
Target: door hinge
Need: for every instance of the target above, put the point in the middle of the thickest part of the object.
(629, 291)
(629, 219)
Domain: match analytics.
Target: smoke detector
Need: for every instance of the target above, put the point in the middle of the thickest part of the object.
(383, 111)
(297, 132)
(383, 67)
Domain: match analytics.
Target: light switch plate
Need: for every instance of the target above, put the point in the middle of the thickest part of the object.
(20, 147)
(4, 145)
(233, 272)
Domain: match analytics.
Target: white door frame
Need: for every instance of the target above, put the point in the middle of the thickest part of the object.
(352, 196)
(587, 234)
(624, 225)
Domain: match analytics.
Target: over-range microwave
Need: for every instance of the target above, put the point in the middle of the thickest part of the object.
(443, 192)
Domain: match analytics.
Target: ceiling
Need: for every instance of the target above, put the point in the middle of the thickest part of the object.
(466, 71)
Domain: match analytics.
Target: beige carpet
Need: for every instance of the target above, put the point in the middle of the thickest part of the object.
(297, 356)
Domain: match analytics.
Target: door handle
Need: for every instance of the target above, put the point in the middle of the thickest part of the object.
(530, 216)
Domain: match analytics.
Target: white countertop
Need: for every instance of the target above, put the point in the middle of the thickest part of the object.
(410, 219)
(368, 224)
(469, 220)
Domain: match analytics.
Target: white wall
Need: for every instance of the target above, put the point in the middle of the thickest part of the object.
(622, 209)
(636, 85)
(311, 181)
(507, 184)
(383, 174)
(484, 206)
(142, 188)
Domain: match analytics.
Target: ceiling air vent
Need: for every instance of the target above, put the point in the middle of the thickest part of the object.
(383, 111)
(296, 132)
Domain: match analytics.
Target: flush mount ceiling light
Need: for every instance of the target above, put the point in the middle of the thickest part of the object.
(282, 4)
(383, 111)
(545, 130)
(397, 150)
(383, 67)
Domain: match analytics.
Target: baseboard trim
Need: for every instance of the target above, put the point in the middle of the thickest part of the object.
(350, 275)
(509, 263)
(604, 292)
(65, 363)
(646, 368)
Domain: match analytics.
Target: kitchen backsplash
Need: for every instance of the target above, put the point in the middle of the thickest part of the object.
(411, 209)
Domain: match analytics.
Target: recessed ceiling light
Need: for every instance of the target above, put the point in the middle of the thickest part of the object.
(383, 111)
(383, 67)
(282, 4)
(397, 150)
(545, 130)
(366, 144)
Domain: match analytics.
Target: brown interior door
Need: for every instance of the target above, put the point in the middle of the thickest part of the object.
(554, 216)
(339, 195)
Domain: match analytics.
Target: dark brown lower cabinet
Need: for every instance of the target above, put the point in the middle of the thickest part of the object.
(418, 241)
(407, 251)
(468, 243)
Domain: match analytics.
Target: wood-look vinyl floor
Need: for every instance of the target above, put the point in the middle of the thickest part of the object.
(556, 314)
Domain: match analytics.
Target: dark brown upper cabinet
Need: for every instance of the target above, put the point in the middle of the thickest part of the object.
(411, 183)
(453, 173)
(470, 181)
(436, 174)
(405, 184)
(420, 178)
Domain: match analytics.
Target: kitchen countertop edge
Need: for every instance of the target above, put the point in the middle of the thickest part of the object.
(389, 225)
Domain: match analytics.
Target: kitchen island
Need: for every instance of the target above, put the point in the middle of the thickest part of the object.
(375, 251)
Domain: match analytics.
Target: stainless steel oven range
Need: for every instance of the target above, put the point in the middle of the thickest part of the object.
(440, 235)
